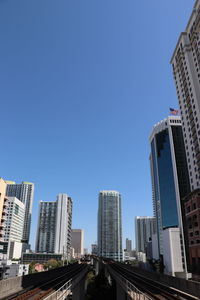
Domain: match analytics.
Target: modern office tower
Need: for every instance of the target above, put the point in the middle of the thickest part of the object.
(14, 225)
(63, 225)
(170, 181)
(78, 242)
(24, 192)
(110, 225)
(145, 227)
(186, 68)
(45, 241)
(128, 245)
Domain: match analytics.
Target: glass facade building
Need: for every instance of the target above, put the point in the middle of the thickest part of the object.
(145, 227)
(110, 225)
(170, 179)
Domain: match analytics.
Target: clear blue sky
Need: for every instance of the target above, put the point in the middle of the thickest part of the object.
(81, 84)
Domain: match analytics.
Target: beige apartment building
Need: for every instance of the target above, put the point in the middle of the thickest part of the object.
(3, 215)
(78, 242)
(186, 69)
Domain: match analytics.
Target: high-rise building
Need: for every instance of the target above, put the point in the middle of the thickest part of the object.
(63, 225)
(128, 245)
(54, 226)
(24, 192)
(3, 214)
(13, 227)
(78, 242)
(186, 69)
(2, 195)
(110, 225)
(45, 241)
(15, 220)
(94, 249)
(145, 227)
(170, 181)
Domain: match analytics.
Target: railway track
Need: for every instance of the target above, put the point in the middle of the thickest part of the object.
(153, 289)
(50, 285)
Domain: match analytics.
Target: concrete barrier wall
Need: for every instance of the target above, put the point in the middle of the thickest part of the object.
(10, 286)
(16, 284)
(187, 286)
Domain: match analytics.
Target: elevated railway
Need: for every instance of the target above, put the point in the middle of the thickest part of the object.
(136, 284)
(52, 282)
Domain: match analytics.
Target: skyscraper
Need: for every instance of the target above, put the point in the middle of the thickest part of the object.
(63, 225)
(3, 214)
(128, 245)
(110, 225)
(45, 241)
(24, 192)
(170, 181)
(54, 226)
(145, 227)
(14, 226)
(186, 69)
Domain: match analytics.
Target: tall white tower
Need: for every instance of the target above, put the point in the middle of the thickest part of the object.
(63, 225)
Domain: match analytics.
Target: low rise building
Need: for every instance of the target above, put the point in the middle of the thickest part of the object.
(9, 269)
(172, 257)
(39, 257)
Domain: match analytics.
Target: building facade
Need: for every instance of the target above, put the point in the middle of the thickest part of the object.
(170, 180)
(186, 70)
(63, 225)
(192, 210)
(54, 226)
(110, 225)
(13, 227)
(3, 217)
(94, 249)
(45, 241)
(78, 242)
(28, 258)
(145, 227)
(128, 245)
(24, 192)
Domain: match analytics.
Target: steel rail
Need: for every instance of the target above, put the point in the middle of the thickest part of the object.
(49, 286)
(155, 289)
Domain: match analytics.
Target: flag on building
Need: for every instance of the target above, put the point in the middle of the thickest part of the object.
(173, 111)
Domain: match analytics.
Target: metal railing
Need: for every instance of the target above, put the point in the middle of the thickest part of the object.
(66, 289)
(62, 292)
(133, 292)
